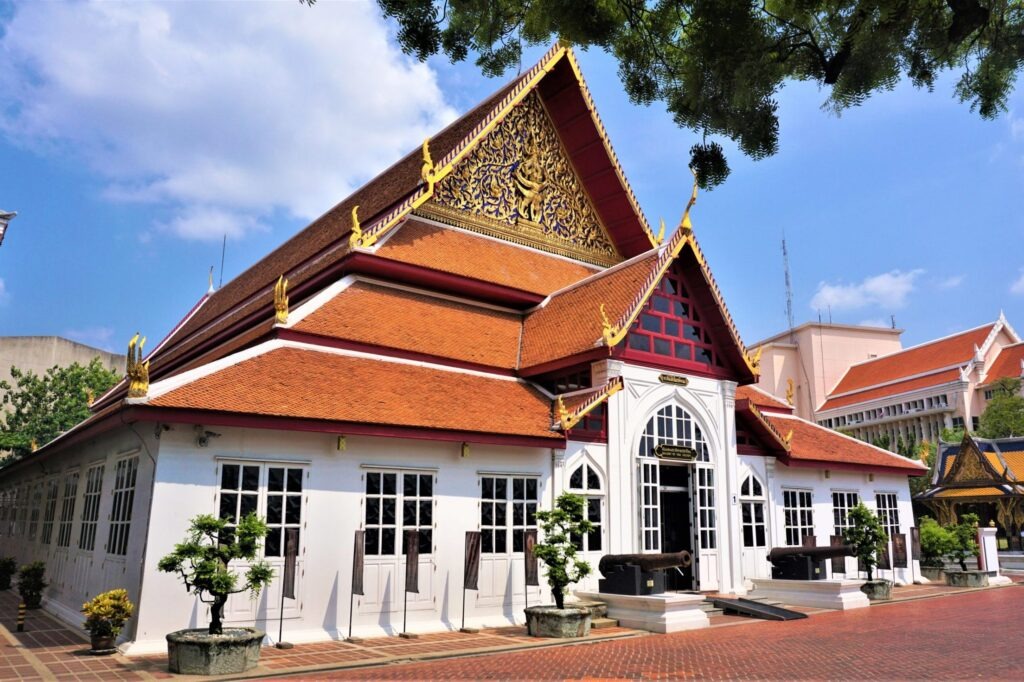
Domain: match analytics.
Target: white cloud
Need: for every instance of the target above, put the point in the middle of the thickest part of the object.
(4, 296)
(888, 290)
(1018, 284)
(951, 282)
(222, 113)
(1016, 126)
(99, 337)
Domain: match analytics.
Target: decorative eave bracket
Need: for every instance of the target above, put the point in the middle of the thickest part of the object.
(567, 418)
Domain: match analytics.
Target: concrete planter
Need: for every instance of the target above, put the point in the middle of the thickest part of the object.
(877, 590)
(551, 621)
(933, 572)
(967, 578)
(197, 652)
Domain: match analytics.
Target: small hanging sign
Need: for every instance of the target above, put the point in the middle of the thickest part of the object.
(673, 379)
(680, 452)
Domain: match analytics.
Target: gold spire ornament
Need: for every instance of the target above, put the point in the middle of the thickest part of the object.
(788, 440)
(356, 239)
(608, 330)
(685, 223)
(755, 360)
(789, 392)
(563, 415)
(137, 371)
(281, 300)
(428, 171)
(661, 233)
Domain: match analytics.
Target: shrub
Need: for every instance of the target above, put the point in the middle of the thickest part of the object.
(558, 551)
(867, 536)
(202, 561)
(936, 542)
(105, 614)
(8, 567)
(964, 544)
(31, 583)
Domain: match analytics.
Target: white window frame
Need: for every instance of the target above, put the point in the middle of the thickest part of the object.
(841, 512)
(519, 512)
(888, 514)
(91, 497)
(50, 509)
(257, 501)
(69, 496)
(122, 495)
(799, 518)
(423, 504)
(36, 509)
(593, 494)
(754, 500)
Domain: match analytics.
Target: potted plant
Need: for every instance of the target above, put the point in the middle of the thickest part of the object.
(8, 567)
(105, 615)
(965, 545)
(936, 542)
(559, 554)
(31, 584)
(868, 538)
(202, 563)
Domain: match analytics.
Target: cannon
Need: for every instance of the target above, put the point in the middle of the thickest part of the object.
(804, 563)
(638, 574)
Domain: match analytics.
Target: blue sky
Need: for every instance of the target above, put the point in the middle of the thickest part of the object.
(134, 136)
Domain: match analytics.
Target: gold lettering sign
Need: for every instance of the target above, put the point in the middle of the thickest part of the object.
(673, 379)
(666, 451)
(519, 184)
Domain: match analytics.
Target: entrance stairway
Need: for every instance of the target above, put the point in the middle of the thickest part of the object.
(598, 614)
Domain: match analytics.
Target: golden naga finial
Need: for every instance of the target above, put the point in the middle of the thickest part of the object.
(685, 223)
(755, 360)
(90, 397)
(428, 172)
(789, 392)
(563, 414)
(608, 330)
(281, 300)
(661, 233)
(136, 370)
(356, 239)
(34, 445)
(788, 440)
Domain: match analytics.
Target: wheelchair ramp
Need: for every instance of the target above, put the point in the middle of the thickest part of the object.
(755, 609)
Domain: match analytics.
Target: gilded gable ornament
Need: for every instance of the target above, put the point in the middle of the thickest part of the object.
(519, 184)
(137, 371)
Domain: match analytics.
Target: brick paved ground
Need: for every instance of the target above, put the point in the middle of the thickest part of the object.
(963, 636)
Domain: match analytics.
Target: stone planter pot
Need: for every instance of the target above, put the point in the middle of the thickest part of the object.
(877, 590)
(551, 621)
(102, 645)
(967, 578)
(933, 572)
(197, 652)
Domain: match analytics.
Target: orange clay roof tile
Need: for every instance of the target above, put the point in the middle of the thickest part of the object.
(813, 443)
(460, 253)
(1007, 363)
(761, 398)
(307, 384)
(395, 318)
(927, 357)
(570, 321)
(892, 389)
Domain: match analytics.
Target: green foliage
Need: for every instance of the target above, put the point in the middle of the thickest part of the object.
(8, 567)
(952, 435)
(964, 539)
(31, 582)
(558, 551)
(936, 542)
(867, 536)
(105, 614)
(1004, 415)
(718, 66)
(44, 407)
(202, 561)
(920, 484)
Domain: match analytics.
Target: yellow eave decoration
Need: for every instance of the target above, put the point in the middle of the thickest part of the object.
(137, 371)
(281, 300)
(355, 240)
(784, 441)
(567, 419)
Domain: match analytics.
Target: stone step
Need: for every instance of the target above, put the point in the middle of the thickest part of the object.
(601, 623)
(598, 609)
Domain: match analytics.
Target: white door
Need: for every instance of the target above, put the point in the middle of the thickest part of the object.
(754, 528)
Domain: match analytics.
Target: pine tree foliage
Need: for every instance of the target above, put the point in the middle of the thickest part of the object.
(718, 66)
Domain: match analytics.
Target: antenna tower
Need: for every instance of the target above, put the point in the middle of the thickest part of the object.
(789, 285)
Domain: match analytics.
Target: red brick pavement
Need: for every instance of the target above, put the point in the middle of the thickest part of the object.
(963, 636)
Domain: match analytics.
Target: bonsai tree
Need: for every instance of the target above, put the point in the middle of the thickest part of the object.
(964, 542)
(31, 583)
(202, 561)
(8, 567)
(867, 536)
(105, 614)
(558, 551)
(936, 542)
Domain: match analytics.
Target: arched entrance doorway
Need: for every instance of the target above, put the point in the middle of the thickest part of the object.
(677, 496)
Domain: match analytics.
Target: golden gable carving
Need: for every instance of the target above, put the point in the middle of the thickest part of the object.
(518, 184)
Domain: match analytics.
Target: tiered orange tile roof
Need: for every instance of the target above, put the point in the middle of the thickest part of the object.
(896, 388)
(570, 321)
(815, 444)
(1007, 363)
(302, 383)
(396, 318)
(761, 398)
(460, 253)
(924, 359)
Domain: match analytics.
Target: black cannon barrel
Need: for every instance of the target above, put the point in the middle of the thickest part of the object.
(816, 553)
(646, 562)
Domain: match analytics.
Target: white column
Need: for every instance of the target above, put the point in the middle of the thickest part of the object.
(730, 533)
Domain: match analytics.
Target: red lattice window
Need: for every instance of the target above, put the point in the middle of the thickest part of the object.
(670, 327)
